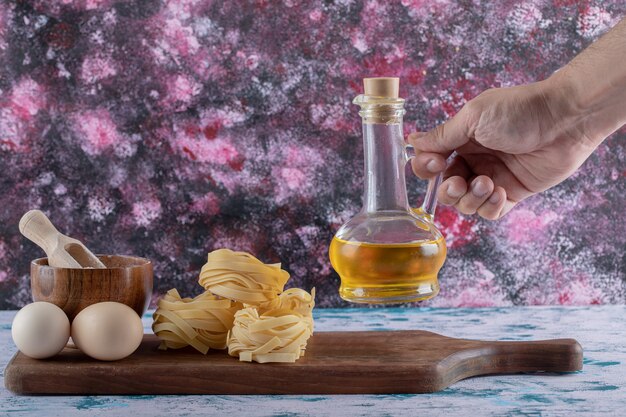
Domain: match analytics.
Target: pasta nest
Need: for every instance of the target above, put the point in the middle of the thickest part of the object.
(241, 277)
(270, 337)
(202, 322)
(293, 300)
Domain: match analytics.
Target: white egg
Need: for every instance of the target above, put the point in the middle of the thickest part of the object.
(40, 330)
(107, 331)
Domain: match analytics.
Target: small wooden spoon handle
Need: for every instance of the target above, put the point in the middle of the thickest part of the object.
(559, 355)
(36, 226)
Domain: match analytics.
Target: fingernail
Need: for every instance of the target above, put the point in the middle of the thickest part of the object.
(495, 198)
(433, 166)
(454, 192)
(479, 188)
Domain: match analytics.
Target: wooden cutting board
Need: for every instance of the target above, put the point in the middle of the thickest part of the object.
(411, 361)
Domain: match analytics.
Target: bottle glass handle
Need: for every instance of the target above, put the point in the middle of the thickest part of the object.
(430, 200)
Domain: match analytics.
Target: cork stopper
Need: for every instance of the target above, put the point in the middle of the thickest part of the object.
(382, 86)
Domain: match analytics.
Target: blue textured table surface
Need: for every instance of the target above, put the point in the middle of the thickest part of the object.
(598, 390)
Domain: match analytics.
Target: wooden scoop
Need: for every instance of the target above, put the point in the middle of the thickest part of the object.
(62, 251)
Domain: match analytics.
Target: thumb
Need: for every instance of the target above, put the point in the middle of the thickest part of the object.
(445, 138)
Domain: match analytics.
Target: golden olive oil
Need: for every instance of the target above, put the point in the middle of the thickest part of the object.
(387, 273)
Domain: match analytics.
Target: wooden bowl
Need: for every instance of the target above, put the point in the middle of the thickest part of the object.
(127, 280)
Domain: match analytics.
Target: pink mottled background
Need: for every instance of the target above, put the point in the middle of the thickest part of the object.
(168, 129)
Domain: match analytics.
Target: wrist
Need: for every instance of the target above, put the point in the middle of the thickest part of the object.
(592, 107)
(563, 88)
(570, 104)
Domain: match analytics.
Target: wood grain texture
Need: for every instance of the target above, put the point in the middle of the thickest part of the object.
(126, 279)
(335, 363)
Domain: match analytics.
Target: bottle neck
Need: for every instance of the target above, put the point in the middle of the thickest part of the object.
(385, 161)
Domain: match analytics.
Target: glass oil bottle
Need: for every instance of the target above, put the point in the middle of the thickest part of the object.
(388, 252)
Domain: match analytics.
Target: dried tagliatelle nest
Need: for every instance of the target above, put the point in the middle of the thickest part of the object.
(241, 277)
(202, 322)
(244, 308)
(270, 337)
(278, 333)
(293, 301)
